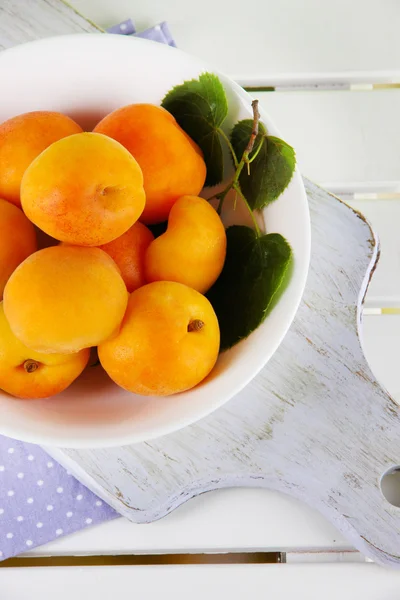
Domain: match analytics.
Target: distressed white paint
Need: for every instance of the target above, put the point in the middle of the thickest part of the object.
(314, 424)
(25, 20)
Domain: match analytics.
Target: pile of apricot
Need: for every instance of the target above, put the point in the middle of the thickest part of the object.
(81, 269)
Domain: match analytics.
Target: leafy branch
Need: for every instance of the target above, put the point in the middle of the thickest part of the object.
(245, 160)
(257, 266)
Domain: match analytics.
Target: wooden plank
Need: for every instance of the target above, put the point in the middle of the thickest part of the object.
(384, 215)
(284, 38)
(381, 341)
(303, 582)
(332, 67)
(340, 137)
(340, 146)
(24, 20)
(240, 520)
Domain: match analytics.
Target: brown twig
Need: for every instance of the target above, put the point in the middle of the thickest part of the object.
(254, 131)
(244, 160)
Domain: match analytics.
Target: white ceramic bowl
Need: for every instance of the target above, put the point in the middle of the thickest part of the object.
(86, 76)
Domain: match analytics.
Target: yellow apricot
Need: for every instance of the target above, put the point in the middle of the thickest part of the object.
(25, 373)
(85, 189)
(171, 162)
(128, 251)
(22, 139)
(168, 341)
(65, 298)
(192, 250)
(17, 240)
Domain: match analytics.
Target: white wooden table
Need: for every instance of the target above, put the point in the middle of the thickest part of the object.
(335, 70)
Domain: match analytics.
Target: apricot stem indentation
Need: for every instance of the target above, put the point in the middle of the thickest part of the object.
(195, 325)
(30, 365)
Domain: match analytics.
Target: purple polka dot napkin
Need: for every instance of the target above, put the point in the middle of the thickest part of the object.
(39, 499)
(158, 33)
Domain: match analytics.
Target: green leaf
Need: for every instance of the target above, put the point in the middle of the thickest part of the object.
(240, 136)
(254, 273)
(200, 107)
(270, 171)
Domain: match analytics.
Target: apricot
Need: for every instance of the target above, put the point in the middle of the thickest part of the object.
(128, 251)
(17, 240)
(171, 162)
(168, 341)
(192, 250)
(85, 189)
(28, 374)
(22, 139)
(65, 298)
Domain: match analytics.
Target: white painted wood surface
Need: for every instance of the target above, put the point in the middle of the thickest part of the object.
(337, 144)
(385, 218)
(335, 137)
(235, 582)
(24, 20)
(242, 519)
(314, 423)
(335, 62)
(277, 40)
(382, 349)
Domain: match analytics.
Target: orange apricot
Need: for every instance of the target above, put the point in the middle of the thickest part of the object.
(168, 341)
(22, 139)
(25, 373)
(86, 189)
(128, 251)
(192, 250)
(171, 162)
(17, 240)
(65, 298)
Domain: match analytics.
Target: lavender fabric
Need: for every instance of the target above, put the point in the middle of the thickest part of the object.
(159, 33)
(39, 499)
(125, 28)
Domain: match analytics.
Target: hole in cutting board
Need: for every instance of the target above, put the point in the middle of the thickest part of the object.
(390, 486)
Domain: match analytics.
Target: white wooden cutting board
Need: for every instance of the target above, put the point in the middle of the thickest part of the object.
(314, 423)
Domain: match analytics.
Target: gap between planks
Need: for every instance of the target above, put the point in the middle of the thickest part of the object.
(323, 87)
(217, 558)
(146, 559)
(339, 82)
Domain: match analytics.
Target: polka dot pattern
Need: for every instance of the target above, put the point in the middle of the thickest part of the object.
(126, 28)
(39, 501)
